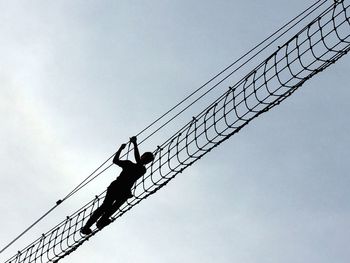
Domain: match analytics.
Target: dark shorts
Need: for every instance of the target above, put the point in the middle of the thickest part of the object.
(116, 189)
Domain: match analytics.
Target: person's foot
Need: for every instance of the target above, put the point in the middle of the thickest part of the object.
(85, 230)
(102, 223)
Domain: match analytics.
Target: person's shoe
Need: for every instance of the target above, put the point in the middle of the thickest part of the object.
(102, 223)
(85, 230)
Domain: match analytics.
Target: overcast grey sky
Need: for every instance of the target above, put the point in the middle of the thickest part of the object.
(78, 78)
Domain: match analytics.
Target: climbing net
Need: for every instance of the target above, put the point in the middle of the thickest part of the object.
(315, 47)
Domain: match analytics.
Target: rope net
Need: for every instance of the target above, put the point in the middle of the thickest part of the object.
(315, 47)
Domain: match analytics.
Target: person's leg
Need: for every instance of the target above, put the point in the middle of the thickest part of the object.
(107, 202)
(95, 215)
(104, 220)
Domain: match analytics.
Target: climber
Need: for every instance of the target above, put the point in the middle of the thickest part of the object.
(120, 189)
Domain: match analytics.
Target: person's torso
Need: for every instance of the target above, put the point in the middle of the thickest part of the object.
(131, 172)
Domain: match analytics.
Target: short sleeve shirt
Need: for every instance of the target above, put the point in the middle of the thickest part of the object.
(131, 172)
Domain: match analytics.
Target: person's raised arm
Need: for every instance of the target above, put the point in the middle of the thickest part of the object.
(133, 140)
(116, 159)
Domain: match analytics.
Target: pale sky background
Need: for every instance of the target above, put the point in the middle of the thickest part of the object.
(78, 78)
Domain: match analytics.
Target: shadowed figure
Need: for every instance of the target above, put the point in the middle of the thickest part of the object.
(120, 189)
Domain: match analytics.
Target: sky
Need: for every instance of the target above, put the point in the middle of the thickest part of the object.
(78, 78)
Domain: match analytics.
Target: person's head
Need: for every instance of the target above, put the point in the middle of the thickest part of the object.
(147, 157)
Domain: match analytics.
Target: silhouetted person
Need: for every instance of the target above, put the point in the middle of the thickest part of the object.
(120, 189)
